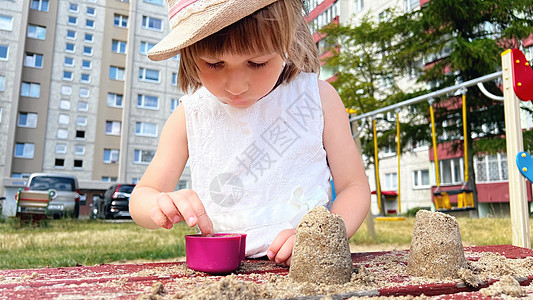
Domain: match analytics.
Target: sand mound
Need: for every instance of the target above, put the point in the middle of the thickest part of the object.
(436, 247)
(321, 251)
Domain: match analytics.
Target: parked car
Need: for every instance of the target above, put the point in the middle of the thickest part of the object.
(114, 203)
(64, 192)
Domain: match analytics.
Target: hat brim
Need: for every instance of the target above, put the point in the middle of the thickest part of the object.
(201, 25)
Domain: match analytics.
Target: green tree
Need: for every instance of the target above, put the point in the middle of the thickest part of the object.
(463, 40)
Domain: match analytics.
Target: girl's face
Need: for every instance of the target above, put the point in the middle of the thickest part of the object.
(239, 80)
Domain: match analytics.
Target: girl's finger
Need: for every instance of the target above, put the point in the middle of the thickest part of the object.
(278, 243)
(159, 218)
(285, 252)
(169, 209)
(193, 211)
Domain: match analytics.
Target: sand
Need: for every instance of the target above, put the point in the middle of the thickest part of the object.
(436, 247)
(321, 253)
(436, 256)
(378, 273)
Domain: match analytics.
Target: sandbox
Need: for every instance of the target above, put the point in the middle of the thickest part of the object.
(376, 274)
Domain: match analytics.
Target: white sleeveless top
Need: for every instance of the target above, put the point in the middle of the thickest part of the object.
(258, 170)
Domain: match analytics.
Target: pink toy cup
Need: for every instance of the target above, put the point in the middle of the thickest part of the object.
(219, 254)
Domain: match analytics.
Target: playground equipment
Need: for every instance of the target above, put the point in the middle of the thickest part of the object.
(387, 194)
(517, 85)
(465, 196)
(32, 206)
(525, 165)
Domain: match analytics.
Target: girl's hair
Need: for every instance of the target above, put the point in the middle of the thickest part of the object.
(279, 27)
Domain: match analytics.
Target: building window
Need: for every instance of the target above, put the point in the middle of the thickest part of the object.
(86, 78)
(89, 23)
(87, 50)
(71, 34)
(89, 38)
(70, 47)
(79, 149)
(62, 134)
(64, 104)
(107, 178)
(27, 120)
(116, 73)
(37, 32)
(491, 168)
(2, 83)
(152, 23)
(143, 156)
(120, 20)
(182, 184)
(421, 178)
(91, 11)
(148, 102)
(61, 148)
(451, 171)
(118, 46)
(390, 182)
(146, 129)
(410, 5)
(174, 81)
(67, 75)
(41, 5)
(6, 23)
(4, 50)
(83, 106)
(81, 121)
(21, 175)
(112, 127)
(84, 92)
(145, 47)
(33, 60)
(68, 61)
(114, 100)
(73, 7)
(63, 119)
(80, 134)
(24, 150)
(173, 104)
(359, 5)
(59, 162)
(30, 89)
(66, 90)
(111, 156)
(149, 75)
(72, 20)
(86, 64)
(156, 2)
(78, 163)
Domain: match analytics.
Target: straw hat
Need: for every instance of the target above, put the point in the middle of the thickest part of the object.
(193, 20)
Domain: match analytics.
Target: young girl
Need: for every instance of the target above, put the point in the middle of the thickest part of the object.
(263, 136)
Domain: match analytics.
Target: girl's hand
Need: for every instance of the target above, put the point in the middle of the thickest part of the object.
(280, 251)
(182, 205)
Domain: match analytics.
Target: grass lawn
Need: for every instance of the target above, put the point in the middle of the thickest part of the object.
(62, 243)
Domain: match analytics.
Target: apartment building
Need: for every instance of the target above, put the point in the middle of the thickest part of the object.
(78, 94)
(415, 171)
